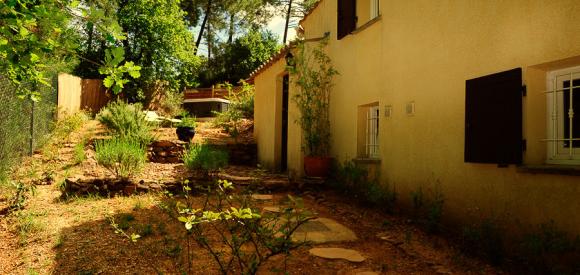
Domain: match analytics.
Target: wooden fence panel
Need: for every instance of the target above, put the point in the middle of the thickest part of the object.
(94, 95)
(75, 94)
(69, 91)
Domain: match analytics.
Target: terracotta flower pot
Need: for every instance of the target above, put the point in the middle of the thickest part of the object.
(185, 133)
(316, 166)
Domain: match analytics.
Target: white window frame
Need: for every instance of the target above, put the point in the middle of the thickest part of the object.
(557, 152)
(372, 132)
(375, 9)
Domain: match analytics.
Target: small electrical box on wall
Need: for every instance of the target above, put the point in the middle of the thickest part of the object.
(388, 111)
(410, 108)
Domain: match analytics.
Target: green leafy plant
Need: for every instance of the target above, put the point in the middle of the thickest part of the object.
(241, 107)
(34, 34)
(115, 73)
(187, 122)
(252, 238)
(483, 239)
(353, 180)
(122, 156)
(428, 209)
(21, 194)
(204, 157)
(549, 250)
(79, 152)
(126, 121)
(313, 72)
(171, 104)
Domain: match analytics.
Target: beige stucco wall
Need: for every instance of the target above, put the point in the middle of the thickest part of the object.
(424, 51)
(268, 121)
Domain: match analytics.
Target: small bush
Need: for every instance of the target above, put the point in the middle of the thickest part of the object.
(204, 157)
(79, 151)
(187, 122)
(354, 181)
(428, 208)
(241, 107)
(171, 104)
(123, 156)
(483, 239)
(549, 250)
(69, 124)
(127, 121)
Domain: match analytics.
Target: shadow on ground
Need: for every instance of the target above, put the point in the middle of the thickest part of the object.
(94, 247)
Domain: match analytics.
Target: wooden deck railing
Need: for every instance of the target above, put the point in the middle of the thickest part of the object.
(208, 93)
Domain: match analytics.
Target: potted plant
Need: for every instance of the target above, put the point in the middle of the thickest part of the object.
(186, 129)
(312, 73)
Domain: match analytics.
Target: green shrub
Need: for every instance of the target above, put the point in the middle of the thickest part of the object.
(127, 121)
(69, 124)
(483, 239)
(123, 156)
(353, 180)
(187, 122)
(171, 104)
(204, 157)
(79, 151)
(241, 106)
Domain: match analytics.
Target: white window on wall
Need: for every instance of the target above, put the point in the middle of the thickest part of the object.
(374, 8)
(372, 133)
(563, 97)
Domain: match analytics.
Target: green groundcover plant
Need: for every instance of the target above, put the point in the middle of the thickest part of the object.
(127, 121)
(123, 156)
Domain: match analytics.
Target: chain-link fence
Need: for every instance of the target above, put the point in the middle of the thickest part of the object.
(24, 125)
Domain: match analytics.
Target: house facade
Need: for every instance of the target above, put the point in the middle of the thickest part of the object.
(474, 99)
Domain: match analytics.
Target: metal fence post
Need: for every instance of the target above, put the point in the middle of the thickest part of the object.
(32, 128)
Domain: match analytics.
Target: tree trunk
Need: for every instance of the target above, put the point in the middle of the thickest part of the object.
(205, 18)
(287, 22)
(231, 30)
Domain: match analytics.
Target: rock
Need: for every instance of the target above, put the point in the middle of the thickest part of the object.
(273, 209)
(323, 230)
(163, 144)
(442, 270)
(338, 253)
(172, 160)
(236, 178)
(260, 197)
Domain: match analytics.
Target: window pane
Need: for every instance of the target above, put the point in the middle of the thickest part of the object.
(576, 108)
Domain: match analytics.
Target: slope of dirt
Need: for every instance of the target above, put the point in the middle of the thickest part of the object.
(53, 235)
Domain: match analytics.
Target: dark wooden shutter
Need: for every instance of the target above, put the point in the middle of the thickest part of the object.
(346, 18)
(493, 118)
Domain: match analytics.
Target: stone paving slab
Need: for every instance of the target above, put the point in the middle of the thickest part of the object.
(323, 230)
(338, 253)
(260, 197)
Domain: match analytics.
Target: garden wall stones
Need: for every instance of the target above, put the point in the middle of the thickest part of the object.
(110, 186)
(164, 151)
(241, 154)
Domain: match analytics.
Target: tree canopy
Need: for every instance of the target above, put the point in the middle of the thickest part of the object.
(237, 60)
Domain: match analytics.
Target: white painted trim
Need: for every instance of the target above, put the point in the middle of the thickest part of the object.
(197, 100)
(554, 100)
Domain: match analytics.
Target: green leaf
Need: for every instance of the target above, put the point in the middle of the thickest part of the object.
(108, 82)
(74, 4)
(135, 237)
(188, 225)
(34, 57)
(182, 219)
(135, 74)
(23, 32)
(3, 41)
